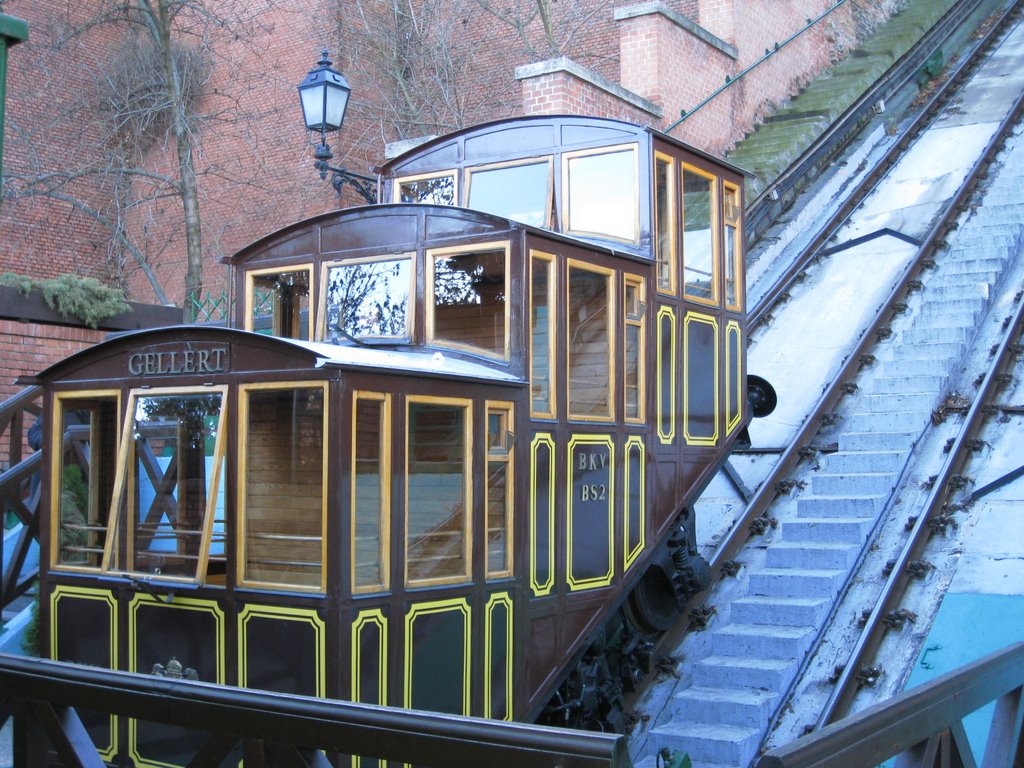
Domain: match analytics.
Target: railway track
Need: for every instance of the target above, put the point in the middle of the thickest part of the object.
(882, 360)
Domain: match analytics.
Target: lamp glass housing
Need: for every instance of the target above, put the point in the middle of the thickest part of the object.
(324, 94)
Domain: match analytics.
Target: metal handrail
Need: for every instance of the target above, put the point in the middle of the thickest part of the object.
(915, 722)
(46, 694)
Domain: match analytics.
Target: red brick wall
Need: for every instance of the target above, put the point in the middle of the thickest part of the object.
(28, 348)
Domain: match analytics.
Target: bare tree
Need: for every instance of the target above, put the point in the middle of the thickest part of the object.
(139, 126)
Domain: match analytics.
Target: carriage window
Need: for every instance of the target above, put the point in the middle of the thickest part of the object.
(602, 194)
(438, 190)
(438, 497)
(589, 343)
(277, 303)
(499, 489)
(542, 340)
(469, 307)
(371, 491)
(282, 489)
(633, 350)
(86, 452)
(518, 192)
(665, 222)
(731, 208)
(368, 299)
(698, 235)
(169, 490)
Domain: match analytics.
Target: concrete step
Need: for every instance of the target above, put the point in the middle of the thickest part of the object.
(960, 307)
(931, 366)
(744, 707)
(900, 401)
(853, 484)
(882, 385)
(840, 505)
(879, 441)
(704, 743)
(863, 461)
(948, 335)
(834, 530)
(953, 319)
(780, 611)
(964, 293)
(896, 421)
(738, 671)
(814, 555)
(761, 641)
(794, 582)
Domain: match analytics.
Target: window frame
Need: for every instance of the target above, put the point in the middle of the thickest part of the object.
(672, 206)
(731, 190)
(504, 246)
(467, 492)
(611, 314)
(241, 550)
(567, 158)
(716, 236)
(640, 323)
(398, 181)
(386, 507)
(521, 162)
(250, 280)
(410, 256)
(124, 482)
(552, 347)
(57, 474)
(505, 455)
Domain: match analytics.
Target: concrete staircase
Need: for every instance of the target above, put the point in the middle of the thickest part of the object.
(736, 673)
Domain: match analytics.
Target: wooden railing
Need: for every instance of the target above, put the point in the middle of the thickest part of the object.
(923, 727)
(19, 497)
(272, 729)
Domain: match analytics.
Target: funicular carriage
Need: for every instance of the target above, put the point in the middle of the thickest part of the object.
(441, 447)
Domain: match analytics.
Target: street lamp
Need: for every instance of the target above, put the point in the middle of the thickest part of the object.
(324, 95)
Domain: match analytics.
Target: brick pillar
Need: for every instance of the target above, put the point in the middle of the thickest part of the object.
(719, 18)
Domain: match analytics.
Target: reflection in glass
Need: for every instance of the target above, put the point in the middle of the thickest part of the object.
(280, 304)
(437, 479)
(368, 299)
(468, 308)
(698, 240)
(88, 454)
(517, 192)
(439, 190)
(171, 492)
(664, 223)
(602, 194)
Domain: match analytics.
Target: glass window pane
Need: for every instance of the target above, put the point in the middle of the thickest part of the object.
(439, 190)
(279, 304)
(664, 224)
(499, 490)
(541, 341)
(633, 348)
(589, 344)
(733, 252)
(171, 491)
(88, 454)
(438, 493)
(602, 194)
(370, 507)
(284, 486)
(370, 299)
(518, 192)
(468, 307)
(698, 235)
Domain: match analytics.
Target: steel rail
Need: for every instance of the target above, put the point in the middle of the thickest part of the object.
(941, 494)
(942, 96)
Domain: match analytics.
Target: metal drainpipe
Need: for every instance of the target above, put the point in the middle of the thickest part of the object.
(12, 32)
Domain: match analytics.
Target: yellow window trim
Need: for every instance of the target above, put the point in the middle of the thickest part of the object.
(567, 157)
(385, 491)
(694, 317)
(542, 588)
(733, 190)
(454, 605)
(250, 279)
(662, 396)
(283, 613)
(584, 266)
(733, 410)
(574, 584)
(243, 435)
(641, 323)
(321, 323)
(398, 181)
(502, 600)
(673, 206)
(467, 501)
(546, 159)
(549, 258)
(716, 237)
(634, 443)
(493, 245)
